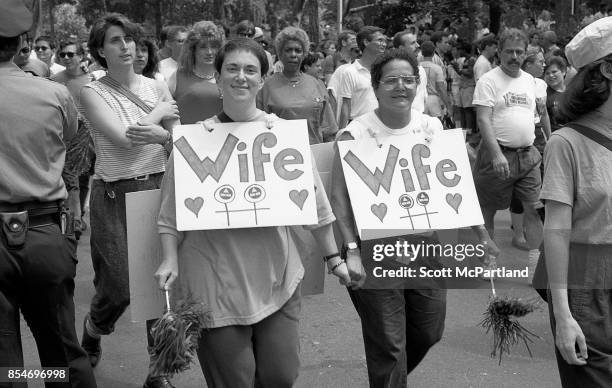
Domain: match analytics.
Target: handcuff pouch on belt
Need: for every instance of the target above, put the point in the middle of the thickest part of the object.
(14, 228)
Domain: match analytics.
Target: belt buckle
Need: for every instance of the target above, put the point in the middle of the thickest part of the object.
(142, 178)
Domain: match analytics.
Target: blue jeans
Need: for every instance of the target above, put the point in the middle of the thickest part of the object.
(109, 249)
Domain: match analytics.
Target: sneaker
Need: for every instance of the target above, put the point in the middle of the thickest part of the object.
(534, 256)
(91, 345)
(157, 382)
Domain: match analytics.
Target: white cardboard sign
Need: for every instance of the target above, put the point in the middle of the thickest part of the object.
(407, 186)
(242, 175)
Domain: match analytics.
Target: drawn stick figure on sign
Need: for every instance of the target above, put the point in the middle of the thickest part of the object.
(254, 194)
(406, 202)
(225, 194)
(423, 199)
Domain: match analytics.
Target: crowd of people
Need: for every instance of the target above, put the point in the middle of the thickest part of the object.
(84, 123)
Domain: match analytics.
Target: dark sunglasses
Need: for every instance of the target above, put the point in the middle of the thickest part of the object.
(41, 48)
(68, 54)
(25, 50)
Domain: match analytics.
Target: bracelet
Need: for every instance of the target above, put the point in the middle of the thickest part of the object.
(326, 258)
(338, 264)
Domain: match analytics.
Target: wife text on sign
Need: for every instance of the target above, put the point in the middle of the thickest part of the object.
(424, 186)
(243, 175)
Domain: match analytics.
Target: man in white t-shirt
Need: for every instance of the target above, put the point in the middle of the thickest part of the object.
(488, 48)
(407, 40)
(177, 35)
(508, 164)
(351, 83)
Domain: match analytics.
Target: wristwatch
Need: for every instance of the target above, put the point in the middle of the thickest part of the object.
(351, 245)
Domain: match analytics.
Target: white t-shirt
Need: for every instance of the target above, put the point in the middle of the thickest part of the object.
(421, 92)
(369, 125)
(540, 94)
(56, 68)
(481, 67)
(513, 103)
(354, 81)
(167, 67)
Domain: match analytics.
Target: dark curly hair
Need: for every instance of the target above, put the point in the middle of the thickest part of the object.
(390, 55)
(588, 90)
(151, 67)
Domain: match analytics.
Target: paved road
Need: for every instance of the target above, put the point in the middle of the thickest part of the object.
(332, 352)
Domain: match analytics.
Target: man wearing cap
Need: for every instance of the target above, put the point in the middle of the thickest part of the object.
(37, 245)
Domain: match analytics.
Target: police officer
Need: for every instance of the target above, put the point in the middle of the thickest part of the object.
(37, 248)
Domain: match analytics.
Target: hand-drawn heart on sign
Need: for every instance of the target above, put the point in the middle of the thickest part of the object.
(379, 211)
(194, 204)
(298, 197)
(454, 200)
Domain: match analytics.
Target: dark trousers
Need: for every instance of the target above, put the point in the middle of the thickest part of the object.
(399, 326)
(590, 301)
(265, 354)
(38, 280)
(109, 249)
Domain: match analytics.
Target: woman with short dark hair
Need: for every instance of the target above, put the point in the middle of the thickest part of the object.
(249, 278)
(130, 157)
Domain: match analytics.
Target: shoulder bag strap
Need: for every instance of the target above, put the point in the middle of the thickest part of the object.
(112, 83)
(592, 134)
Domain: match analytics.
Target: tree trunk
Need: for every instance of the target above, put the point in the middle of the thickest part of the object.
(51, 5)
(157, 12)
(563, 9)
(495, 14)
(311, 11)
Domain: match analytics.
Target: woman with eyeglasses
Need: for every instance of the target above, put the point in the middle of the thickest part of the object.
(79, 154)
(249, 278)
(402, 323)
(293, 94)
(194, 84)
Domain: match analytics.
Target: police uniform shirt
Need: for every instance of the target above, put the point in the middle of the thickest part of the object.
(38, 118)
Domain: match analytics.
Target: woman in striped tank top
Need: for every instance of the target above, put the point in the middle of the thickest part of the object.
(130, 157)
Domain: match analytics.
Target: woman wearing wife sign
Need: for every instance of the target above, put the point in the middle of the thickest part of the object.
(399, 325)
(578, 225)
(250, 277)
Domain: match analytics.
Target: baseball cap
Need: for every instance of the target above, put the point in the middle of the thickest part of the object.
(15, 18)
(258, 33)
(593, 42)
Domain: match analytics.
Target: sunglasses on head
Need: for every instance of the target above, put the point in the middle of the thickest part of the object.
(68, 54)
(25, 50)
(41, 48)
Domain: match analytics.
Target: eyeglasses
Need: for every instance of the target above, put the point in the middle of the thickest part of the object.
(41, 48)
(24, 50)
(66, 54)
(408, 81)
(246, 34)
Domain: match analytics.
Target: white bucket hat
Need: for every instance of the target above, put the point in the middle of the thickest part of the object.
(593, 42)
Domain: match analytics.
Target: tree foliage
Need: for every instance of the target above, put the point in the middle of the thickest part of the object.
(69, 23)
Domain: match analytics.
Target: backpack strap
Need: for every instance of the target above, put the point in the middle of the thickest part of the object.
(114, 84)
(592, 134)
